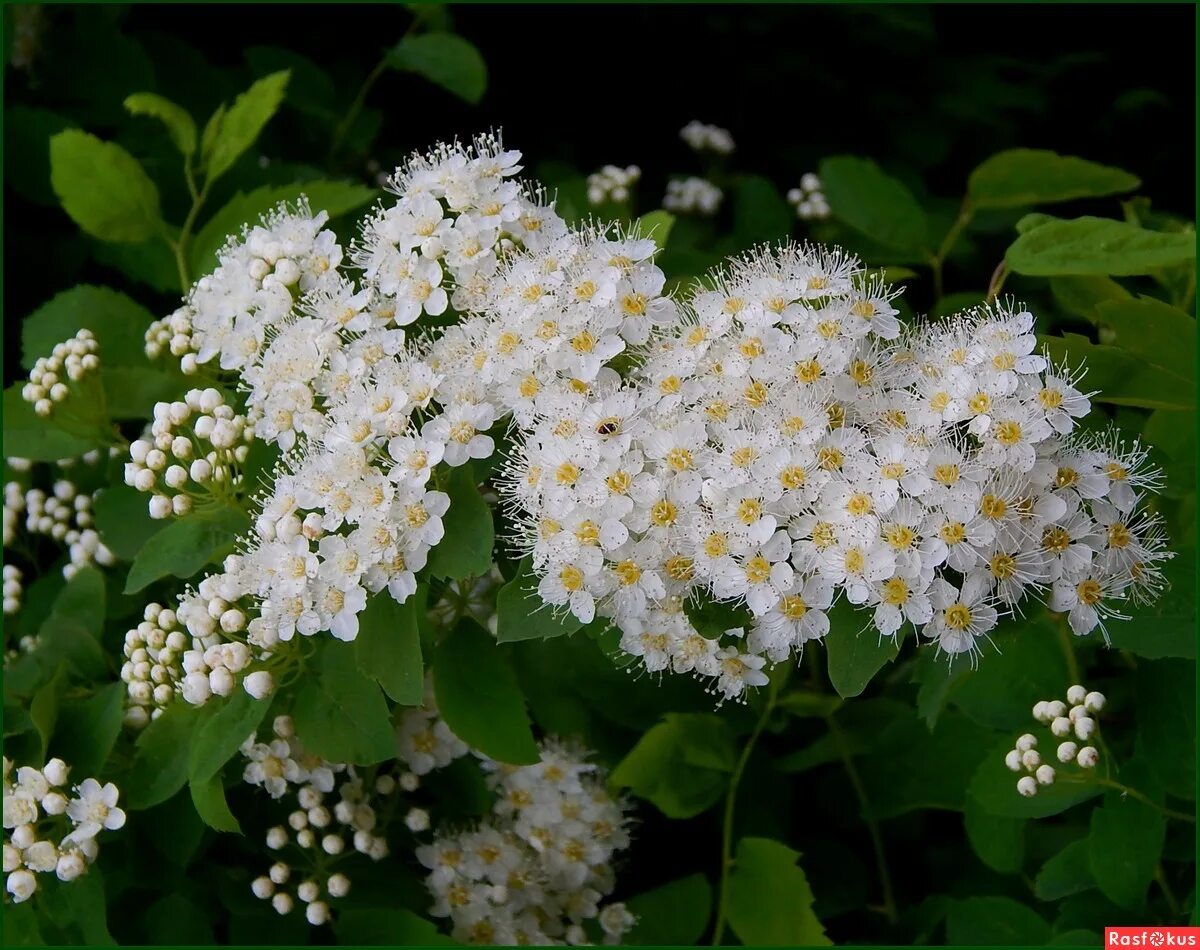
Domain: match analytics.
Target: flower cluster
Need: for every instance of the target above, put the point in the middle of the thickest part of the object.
(153, 667)
(192, 452)
(707, 138)
(53, 377)
(1072, 718)
(64, 514)
(538, 868)
(12, 588)
(808, 200)
(693, 196)
(612, 183)
(50, 828)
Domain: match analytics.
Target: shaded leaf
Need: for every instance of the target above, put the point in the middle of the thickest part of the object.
(871, 201)
(445, 59)
(770, 901)
(341, 715)
(104, 189)
(388, 648)
(1029, 176)
(1102, 246)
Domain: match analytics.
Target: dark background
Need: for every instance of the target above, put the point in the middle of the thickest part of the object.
(926, 91)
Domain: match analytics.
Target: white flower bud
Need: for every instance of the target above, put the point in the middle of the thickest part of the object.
(1031, 759)
(12, 858)
(144, 479)
(56, 771)
(282, 903)
(1056, 708)
(1094, 702)
(200, 470)
(306, 838)
(1084, 728)
(333, 844)
(181, 448)
(385, 785)
(1066, 751)
(1039, 710)
(1088, 757)
(1076, 712)
(70, 866)
(417, 820)
(308, 891)
(176, 476)
(410, 781)
(221, 681)
(22, 835)
(279, 872)
(263, 887)
(138, 450)
(1045, 774)
(338, 885)
(160, 507)
(1026, 742)
(1076, 694)
(259, 684)
(21, 885)
(1027, 786)
(1013, 760)
(41, 856)
(283, 727)
(317, 913)
(298, 820)
(156, 460)
(1061, 726)
(277, 837)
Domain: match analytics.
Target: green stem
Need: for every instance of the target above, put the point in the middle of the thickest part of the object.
(937, 262)
(996, 284)
(860, 792)
(181, 246)
(1147, 800)
(1068, 648)
(730, 808)
(339, 134)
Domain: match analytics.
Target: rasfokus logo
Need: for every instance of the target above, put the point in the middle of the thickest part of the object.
(1151, 936)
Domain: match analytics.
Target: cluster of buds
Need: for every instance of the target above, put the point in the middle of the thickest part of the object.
(173, 335)
(49, 828)
(154, 651)
(808, 200)
(12, 589)
(693, 196)
(214, 668)
(611, 183)
(51, 377)
(702, 137)
(193, 450)
(64, 515)
(1074, 718)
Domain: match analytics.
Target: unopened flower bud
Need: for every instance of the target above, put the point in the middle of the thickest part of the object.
(1076, 694)
(1027, 786)
(1067, 751)
(1088, 757)
(1094, 702)
(1045, 774)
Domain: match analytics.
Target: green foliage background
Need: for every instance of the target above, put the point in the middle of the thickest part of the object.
(859, 798)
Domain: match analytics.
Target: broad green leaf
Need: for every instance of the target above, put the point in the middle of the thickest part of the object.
(209, 798)
(1154, 331)
(1121, 378)
(860, 724)
(1166, 628)
(1083, 246)
(180, 125)
(388, 648)
(871, 201)
(104, 189)
(21, 926)
(994, 789)
(656, 225)
(681, 765)
(804, 704)
(88, 729)
(1035, 220)
(673, 915)
(123, 520)
(186, 545)
(769, 898)
(27, 435)
(341, 715)
(1080, 296)
(478, 696)
(239, 126)
(444, 59)
(933, 771)
(522, 615)
(713, 618)
(151, 263)
(160, 761)
(994, 921)
(1068, 872)
(390, 927)
(1124, 845)
(854, 651)
(1166, 719)
(1030, 176)
(227, 724)
(72, 631)
(466, 549)
(998, 842)
(131, 392)
(335, 197)
(79, 909)
(43, 710)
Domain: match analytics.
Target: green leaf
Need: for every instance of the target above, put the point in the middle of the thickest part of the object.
(160, 761)
(1124, 845)
(681, 765)
(1166, 628)
(227, 724)
(998, 842)
(1166, 719)
(88, 730)
(44, 708)
(388, 648)
(231, 133)
(478, 696)
(72, 631)
(759, 211)
(1162, 335)
(1068, 872)
(522, 615)
(994, 921)
(1079, 296)
(994, 789)
(209, 798)
(855, 653)
(466, 549)
(874, 203)
(180, 125)
(656, 225)
(392, 927)
(29, 436)
(1030, 176)
(770, 900)
(335, 197)
(123, 520)
(1096, 246)
(186, 545)
(804, 704)
(1121, 378)
(103, 188)
(118, 322)
(713, 618)
(341, 715)
(673, 915)
(79, 908)
(131, 392)
(447, 60)
(151, 263)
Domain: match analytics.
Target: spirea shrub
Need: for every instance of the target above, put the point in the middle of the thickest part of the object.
(453, 554)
